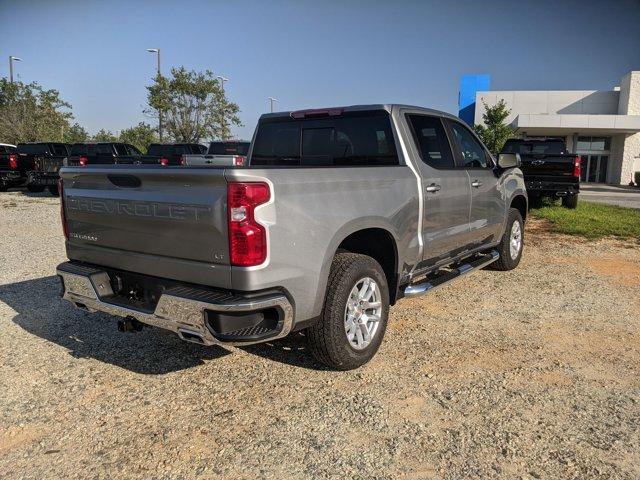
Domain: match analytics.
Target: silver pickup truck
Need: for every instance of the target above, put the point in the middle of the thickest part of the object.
(340, 213)
(226, 153)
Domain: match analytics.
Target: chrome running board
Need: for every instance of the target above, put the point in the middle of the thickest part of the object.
(434, 281)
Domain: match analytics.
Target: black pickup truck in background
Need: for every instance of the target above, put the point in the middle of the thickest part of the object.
(171, 153)
(48, 158)
(103, 153)
(549, 170)
(41, 160)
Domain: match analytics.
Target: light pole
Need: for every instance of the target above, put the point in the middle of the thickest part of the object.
(157, 51)
(222, 80)
(271, 100)
(11, 59)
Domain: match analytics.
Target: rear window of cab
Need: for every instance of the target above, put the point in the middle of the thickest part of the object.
(354, 139)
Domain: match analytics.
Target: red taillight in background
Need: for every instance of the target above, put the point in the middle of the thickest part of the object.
(63, 216)
(84, 161)
(576, 166)
(247, 238)
(13, 161)
(239, 160)
(164, 162)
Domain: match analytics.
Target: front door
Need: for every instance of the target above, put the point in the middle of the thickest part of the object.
(445, 189)
(486, 216)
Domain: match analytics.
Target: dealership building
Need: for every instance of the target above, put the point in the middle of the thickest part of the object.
(602, 126)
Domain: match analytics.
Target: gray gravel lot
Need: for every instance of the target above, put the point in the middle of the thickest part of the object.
(532, 373)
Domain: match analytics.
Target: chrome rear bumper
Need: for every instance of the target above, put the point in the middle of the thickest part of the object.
(181, 309)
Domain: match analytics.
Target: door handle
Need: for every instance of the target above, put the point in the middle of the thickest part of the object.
(476, 184)
(433, 188)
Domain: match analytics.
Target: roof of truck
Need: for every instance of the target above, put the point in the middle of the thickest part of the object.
(389, 107)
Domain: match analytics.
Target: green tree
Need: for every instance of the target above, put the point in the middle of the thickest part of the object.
(28, 113)
(75, 133)
(104, 136)
(494, 131)
(140, 136)
(193, 106)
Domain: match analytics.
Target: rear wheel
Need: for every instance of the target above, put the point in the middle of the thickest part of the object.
(570, 201)
(355, 313)
(512, 243)
(35, 188)
(3, 187)
(53, 190)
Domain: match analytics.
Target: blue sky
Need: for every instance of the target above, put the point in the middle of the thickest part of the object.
(315, 53)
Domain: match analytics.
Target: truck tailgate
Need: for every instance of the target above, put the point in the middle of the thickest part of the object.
(547, 165)
(162, 221)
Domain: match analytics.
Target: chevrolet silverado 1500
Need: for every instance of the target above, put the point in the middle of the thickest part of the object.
(340, 213)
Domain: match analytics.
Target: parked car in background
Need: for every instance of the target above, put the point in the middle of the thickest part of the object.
(39, 159)
(549, 170)
(44, 172)
(103, 153)
(171, 153)
(10, 174)
(340, 213)
(224, 153)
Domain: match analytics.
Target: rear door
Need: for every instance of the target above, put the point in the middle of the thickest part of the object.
(487, 212)
(446, 191)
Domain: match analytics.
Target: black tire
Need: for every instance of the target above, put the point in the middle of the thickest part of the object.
(506, 262)
(327, 338)
(35, 188)
(4, 187)
(53, 190)
(570, 201)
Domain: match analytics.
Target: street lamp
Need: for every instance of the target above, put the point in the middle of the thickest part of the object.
(157, 51)
(222, 80)
(11, 59)
(271, 100)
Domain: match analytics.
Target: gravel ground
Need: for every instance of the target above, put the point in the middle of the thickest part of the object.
(532, 373)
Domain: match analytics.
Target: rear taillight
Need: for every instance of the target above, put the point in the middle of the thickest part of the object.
(63, 216)
(238, 160)
(13, 161)
(576, 167)
(84, 161)
(247, 238)
(164, 162)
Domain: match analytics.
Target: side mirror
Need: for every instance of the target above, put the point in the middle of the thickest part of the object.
(509, 160)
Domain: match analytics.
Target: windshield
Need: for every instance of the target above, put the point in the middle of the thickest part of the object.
(228, 148)
(535, 147)
(33, 148)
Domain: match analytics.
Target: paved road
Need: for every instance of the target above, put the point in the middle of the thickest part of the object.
(611, 194)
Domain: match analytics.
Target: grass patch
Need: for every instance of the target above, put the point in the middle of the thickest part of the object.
(592, 220)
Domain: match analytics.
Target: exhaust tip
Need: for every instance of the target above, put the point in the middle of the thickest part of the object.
(190, 336)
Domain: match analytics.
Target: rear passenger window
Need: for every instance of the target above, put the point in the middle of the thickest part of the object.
(432, 141)
(471, 151)
(354, 139)
(104, 149)
(59, 150)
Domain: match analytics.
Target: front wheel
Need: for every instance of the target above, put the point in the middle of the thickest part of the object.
(355, 313)
(35, 188)
(570, 201)
(512, 243)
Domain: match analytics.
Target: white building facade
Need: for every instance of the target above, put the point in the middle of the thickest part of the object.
(603, 127)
